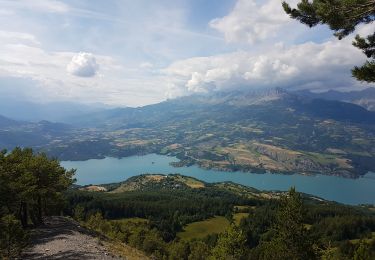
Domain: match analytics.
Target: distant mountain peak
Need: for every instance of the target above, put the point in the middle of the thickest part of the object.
(237, 97)
(260, 96)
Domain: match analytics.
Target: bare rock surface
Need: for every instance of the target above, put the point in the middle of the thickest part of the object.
(63, 238)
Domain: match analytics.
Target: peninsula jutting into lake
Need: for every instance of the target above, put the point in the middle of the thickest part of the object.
(111, 170)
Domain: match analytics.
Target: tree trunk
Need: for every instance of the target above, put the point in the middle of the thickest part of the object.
(8, 242)
(23, 214)
(39, 211)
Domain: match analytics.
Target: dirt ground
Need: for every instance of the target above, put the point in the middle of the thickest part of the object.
(63, 238)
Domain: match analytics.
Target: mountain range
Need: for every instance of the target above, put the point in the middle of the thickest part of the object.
(264, 130)
(364, 98)
(54, 111)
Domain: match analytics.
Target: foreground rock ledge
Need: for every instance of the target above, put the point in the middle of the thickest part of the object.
(63, 238)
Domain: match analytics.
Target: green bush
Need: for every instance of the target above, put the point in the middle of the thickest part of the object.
(12, 237)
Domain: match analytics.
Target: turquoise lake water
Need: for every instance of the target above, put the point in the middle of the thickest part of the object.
(109, 170)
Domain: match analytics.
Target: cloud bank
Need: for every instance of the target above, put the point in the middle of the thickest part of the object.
(269, 55)
(309, 65)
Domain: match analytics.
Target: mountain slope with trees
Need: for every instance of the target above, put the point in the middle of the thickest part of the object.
(285, 225)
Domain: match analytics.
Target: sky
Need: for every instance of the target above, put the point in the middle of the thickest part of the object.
(134, 53)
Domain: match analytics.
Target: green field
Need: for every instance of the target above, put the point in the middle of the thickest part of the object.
(238, 216)
(206, 227)
(201, 229)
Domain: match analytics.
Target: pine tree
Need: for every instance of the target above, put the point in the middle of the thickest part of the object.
(367, 71)
(290, 239)
(342, 16)
(31, 185)
(198, 251)
(230, 244)
(179, 251)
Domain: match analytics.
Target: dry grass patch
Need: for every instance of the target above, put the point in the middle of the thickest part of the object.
(155, 177)
(125, 251)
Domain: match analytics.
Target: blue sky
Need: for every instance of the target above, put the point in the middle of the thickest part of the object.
(132, 53)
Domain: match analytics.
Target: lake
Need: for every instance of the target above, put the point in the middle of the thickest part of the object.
(109, 170)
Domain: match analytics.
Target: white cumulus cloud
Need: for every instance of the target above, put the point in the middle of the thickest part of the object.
(251, 21)
(83, 65)
(310, 65)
